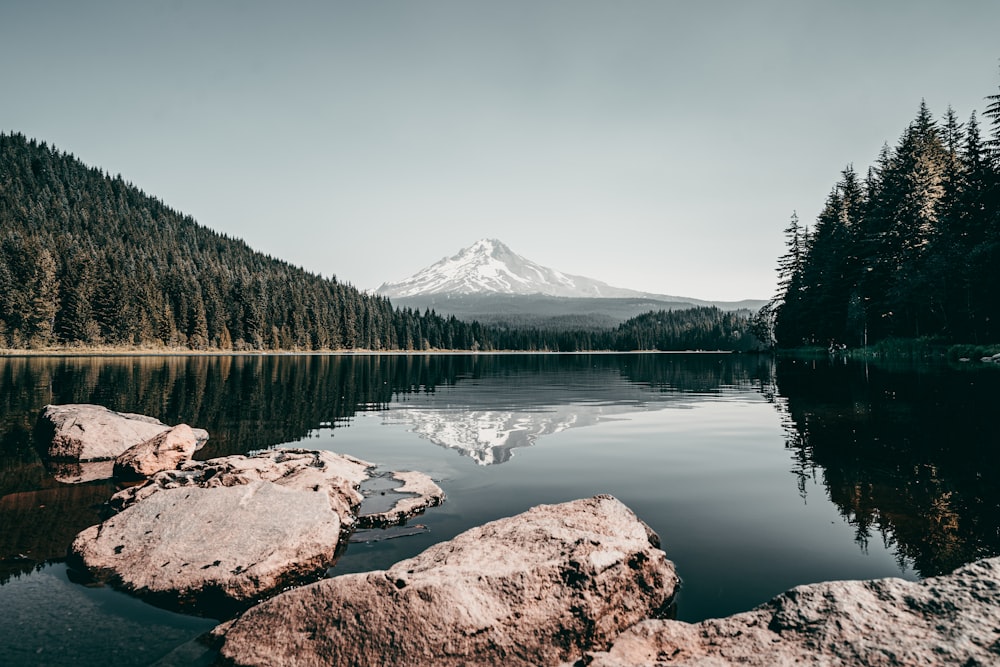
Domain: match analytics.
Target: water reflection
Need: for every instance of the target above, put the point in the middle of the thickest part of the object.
(909, 455)
(508, 406)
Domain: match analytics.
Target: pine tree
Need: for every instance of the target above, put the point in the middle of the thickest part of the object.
(992, 113)
(40, 327)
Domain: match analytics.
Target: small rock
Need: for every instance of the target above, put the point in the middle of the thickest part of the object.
(165, 451)
(535, 589)
(417, 493)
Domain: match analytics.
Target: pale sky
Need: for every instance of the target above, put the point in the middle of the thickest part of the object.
(653, 144)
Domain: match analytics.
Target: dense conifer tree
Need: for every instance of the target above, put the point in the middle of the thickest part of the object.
(914, 251)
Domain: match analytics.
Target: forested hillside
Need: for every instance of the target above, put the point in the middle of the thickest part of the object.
(87, 259)
(909, 249)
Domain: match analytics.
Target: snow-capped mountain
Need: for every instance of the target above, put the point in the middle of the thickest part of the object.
(490, 283)
(490, 267)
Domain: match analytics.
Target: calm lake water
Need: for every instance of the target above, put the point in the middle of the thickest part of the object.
(758, 475)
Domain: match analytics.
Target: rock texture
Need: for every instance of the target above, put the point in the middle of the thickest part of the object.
(948, 620)
(535, 589)
(418, 493)
(214, 536)
(82, 432)
(165, 451)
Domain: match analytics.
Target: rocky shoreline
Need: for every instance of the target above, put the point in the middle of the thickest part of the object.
(214, 537)
(250, 538)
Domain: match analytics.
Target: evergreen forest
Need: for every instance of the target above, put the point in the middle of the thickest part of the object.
(88, 260)
(909, 249)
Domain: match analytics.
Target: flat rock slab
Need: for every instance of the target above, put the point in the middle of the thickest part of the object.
(948, 620)
(216, 536)
(83, 432)
(337, 476)
(207, 547)
(535, 589)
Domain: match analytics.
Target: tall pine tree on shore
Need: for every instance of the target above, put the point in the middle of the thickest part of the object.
(914, 251)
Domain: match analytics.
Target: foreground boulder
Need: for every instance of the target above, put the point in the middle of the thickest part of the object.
(215, 536)
(948, 620)
(535, 589)
(165, 451)
(82, 432)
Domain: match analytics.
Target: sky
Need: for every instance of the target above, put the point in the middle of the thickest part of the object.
(656, 145)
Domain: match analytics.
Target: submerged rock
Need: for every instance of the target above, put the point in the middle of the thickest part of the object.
(535, 589)
(70, 472)
(214, 536)
(417, 493)
(371, 535)
(165, 451)
(948, 620)
(83, 432)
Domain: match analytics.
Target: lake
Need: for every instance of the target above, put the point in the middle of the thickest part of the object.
(757, 474)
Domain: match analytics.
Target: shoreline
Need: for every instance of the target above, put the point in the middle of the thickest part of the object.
(131, 352)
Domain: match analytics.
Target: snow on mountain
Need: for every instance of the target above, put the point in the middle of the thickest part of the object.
(490, 267)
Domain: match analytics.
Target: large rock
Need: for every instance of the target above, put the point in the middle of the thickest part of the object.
(948, 620)
(534, 589)
(165, 451)
(82, 432)
(215, 536)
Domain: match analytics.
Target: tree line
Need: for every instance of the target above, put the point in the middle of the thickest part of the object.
(88, 260)
(702, 328)
(910, 249)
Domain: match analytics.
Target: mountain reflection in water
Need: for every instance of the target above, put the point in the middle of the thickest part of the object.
(494, 414)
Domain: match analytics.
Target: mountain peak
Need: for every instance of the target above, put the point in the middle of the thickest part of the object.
(486, 248)
(488, 266)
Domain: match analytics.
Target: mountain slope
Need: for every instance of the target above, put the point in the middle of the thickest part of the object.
(490, 267)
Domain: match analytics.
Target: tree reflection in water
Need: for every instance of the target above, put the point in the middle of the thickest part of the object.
(909, 454)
